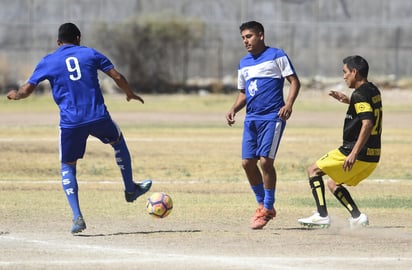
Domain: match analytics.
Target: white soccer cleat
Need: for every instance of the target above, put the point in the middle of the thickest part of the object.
(315, 220)
(361, 221)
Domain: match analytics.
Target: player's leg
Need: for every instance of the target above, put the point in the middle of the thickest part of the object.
(254, 177)
(269, 136)
(266, 211)
(344, 197)
(249, 160)
(318, 189)
(359, 172)
(108, 132)
(315, 173)
(357, 219)
(269, 180)
(320, 217)
(249, 164)
(124, 162)
(72, 147)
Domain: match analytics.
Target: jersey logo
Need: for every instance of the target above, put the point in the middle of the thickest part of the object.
(363, 107)
(252, 88)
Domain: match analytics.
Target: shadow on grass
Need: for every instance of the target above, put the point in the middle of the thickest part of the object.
(137, 233)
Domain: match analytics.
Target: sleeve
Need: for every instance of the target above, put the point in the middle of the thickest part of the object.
(241, 84)
(103, 63)
(363, 106)
(284, 64)
(39, 73)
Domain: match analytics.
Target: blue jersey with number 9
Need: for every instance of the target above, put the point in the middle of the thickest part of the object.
(72, 73)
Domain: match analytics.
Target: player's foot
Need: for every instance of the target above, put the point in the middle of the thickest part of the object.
(361, 221)
(141, 188)
(257, 213)
(315, 220)
(78, 225)
(262, 218)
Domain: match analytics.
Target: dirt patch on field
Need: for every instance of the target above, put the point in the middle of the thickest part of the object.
(122, 236)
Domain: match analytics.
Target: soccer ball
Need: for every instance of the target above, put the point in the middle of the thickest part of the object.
(159, 205)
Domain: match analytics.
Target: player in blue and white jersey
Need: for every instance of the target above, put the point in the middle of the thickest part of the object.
(261, 76)
(72, 72)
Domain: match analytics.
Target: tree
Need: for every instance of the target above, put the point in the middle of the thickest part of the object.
(153, 52)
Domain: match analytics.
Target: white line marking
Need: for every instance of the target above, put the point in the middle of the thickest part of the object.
(121, 255)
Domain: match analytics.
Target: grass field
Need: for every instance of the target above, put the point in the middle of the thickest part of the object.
(183, 143)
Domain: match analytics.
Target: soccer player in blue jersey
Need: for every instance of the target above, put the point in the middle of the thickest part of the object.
(72, 72)
(261, 76)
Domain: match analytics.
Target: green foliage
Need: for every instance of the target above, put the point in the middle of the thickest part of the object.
(153, 52)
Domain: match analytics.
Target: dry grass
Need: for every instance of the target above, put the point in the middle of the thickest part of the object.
(177, 140)
(184, 138)
(184, 145)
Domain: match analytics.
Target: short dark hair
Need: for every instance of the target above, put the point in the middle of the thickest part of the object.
(359, 63)
(69, 32)
(256, 26)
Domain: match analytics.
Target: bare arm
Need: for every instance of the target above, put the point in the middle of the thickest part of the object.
(23, 92)
(123, 84)
(286, 111)
(360, 143)
(339, 96)
(239, 104)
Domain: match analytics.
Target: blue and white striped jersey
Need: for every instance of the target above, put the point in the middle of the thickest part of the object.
(262, 77)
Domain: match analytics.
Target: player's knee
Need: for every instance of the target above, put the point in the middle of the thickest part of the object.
(313, 170)
(267, 165)
(248, 163)
(120, 140)
(316, 181)
(332, 185)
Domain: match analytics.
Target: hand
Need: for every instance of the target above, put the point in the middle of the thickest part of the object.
(230, 118)
(134, 96)
(349, 162)
(12, 94)
(339, 96)
(285, 112)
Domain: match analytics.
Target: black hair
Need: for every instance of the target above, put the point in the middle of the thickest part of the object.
(359, 63)
(69, 32)
(256, 26)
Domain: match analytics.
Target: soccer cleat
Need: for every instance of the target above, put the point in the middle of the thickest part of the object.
(78, 225)
(361, 221)
(262, 218)
(141, 188)
(315, 220)
(257, 213)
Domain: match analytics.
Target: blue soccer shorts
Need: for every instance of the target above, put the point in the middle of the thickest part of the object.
(261, 138)
(73, 140)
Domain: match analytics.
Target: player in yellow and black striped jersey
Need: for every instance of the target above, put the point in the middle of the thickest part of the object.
(360, 152)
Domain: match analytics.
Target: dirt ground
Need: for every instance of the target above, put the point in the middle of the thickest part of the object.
(190, 242)
(42, 241)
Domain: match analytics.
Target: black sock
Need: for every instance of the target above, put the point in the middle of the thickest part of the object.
(342, 194)
(318, 192)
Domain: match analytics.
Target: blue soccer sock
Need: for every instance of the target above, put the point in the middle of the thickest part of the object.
(269, 198)
(124, 162)
(259, 193)
(70, 187)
